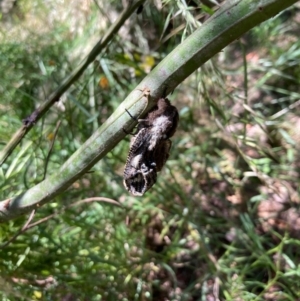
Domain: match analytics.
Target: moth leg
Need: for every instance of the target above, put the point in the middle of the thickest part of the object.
(132, 117)
(146, 93)
(127, 133)
(135, 119)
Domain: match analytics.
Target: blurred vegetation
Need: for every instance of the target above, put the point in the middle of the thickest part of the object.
(223, 220)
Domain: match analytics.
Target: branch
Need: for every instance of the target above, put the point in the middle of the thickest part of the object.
(233, 19)
(22, 230)
(29, 122)
(28, 225)
(85, 201)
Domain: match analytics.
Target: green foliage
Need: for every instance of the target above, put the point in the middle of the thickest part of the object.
(222, 221)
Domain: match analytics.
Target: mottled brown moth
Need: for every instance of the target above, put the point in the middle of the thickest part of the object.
(150, 147)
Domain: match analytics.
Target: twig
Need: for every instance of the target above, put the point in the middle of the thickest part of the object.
(29, 122)
(285, 110)
(51, 147)
(88, 200)
(39, 282)
(28, 226)
(22, 230)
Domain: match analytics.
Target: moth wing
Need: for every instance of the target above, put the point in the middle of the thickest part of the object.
(140, 169)
(135, 155)
(138, 184)
(138, 140)
(175, 119)
(150, 178)
(161, 153)
(135, 184)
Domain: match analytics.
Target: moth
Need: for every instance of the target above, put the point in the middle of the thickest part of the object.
(150, 147)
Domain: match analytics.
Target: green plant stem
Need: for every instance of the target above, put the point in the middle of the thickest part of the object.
(232, 20)
(66, 84)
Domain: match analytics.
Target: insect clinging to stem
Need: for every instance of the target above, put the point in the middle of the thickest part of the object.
(150, 147)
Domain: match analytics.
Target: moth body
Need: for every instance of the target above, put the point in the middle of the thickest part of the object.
(150, 147)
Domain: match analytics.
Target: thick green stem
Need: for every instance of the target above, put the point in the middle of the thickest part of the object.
(232, 20)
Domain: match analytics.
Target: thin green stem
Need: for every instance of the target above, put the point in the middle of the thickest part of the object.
(67, 83)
